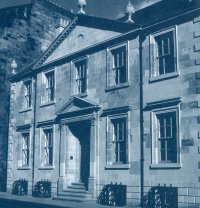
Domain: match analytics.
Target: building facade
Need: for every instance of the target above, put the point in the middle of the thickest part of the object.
(104, 96)
(26, 30)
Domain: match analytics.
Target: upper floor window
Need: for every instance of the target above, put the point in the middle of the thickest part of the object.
(164, 54)
(25, 148)
(28, 93)
(81, 76)
(47, 147)
(117, 70)
(117, 140)
(49, 85)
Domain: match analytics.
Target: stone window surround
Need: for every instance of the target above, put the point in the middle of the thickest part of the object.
(43, 81)
(73, 76)
(155, 164)
(108, 62)
(176, 73)
(25, 109)
(23, 130)
(45, 126)
(119, 112)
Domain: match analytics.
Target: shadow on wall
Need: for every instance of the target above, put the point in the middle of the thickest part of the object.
(3, 174)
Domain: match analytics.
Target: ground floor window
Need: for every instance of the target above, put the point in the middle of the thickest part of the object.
(165, 136)
(47, 147)
(25, 148)
(117, 139)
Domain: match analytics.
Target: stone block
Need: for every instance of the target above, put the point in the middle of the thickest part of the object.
(197, 199)
(183, 191)
(196, 47)
(193, 104)
(193, 206)
(189, 199)
(187, 142)
(198, 90)
(196, 34)
(189, 105)
(181, 199)
(188, 184)
(135, 168)
(197, 61)
(197, 75)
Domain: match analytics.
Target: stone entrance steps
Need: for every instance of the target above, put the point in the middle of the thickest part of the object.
(75, 192)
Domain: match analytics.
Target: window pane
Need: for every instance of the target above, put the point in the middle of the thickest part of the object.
(172, 150)
(162, 128)
(122, 75)
(161, 65)
(169, 64)
(162, 150)
(165, 53)
(159, 48)
(123, 152)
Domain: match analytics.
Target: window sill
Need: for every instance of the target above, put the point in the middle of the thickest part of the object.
(47, 104)
(164, 76)
(119, 166)
(166, 166)
(116, 87)
(24, 168)
(25, 110)
(46, 168)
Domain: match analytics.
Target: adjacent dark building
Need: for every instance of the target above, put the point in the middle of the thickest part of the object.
(26, 30)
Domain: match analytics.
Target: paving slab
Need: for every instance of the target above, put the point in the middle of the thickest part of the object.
(12, 201)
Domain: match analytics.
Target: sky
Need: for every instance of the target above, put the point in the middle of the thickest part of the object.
(111, 9)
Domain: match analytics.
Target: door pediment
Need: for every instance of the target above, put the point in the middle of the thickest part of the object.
(77, 106)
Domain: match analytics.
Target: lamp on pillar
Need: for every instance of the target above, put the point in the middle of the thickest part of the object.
(13, 66)
(129, 11)
(81, 4)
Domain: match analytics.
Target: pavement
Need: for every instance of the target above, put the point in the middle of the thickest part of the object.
(12, 201)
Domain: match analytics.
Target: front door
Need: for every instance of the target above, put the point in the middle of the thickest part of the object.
(80, 149)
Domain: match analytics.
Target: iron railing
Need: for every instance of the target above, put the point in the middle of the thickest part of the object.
(20, 187)
(112, 195)
(42, 189)
(161, 197)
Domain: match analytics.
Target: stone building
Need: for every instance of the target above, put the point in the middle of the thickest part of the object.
(27, 28)
(112, 101)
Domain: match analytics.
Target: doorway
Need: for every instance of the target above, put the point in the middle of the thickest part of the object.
(81, 130)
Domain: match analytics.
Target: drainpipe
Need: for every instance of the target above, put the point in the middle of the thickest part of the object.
(141, 39)
(34, 129)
